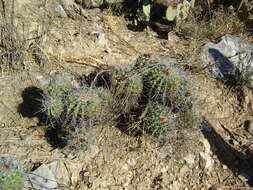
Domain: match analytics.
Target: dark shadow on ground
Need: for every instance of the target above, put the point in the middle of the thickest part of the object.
(54, 136)
(32, 107)
(237, 162)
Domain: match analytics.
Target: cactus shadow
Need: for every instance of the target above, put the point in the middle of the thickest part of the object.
(236, 161)
(31, 105)
(54, 137)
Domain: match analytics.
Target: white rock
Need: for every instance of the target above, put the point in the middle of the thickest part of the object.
(59, 10)
(225, 167)
(131, 162)
(43, 179)
(42, 81)
(209, 160)
(190, 160)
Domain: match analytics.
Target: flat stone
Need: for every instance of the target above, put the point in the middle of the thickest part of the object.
(43, 179)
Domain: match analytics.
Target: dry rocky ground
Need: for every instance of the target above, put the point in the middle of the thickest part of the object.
(218, 155)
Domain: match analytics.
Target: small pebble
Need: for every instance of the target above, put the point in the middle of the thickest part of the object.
(225, 167)
(42, 81)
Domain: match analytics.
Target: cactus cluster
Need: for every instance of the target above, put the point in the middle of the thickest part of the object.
(152, 97)
(165, 101)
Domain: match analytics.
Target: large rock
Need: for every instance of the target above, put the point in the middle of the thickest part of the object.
(231, 58)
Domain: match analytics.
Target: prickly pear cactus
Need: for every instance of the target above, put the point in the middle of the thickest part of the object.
(180, 12)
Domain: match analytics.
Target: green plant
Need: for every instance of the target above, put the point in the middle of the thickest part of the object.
(158, 121)
(11, 174)
(151, 96)
(75, 104)
(13, 180)
(88, 104)
(146, 8)
(53, 102)
(52, 105)
(172, 14)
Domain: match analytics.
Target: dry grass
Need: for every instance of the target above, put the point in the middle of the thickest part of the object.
(12, 46)
(220, 22)
(115, 22)
(15, 43)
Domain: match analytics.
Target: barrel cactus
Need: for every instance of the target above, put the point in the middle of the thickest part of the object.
(127, 87)
(168, 101)
(88, 103)
(52, 103)
(158, 121)
(79, 137)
